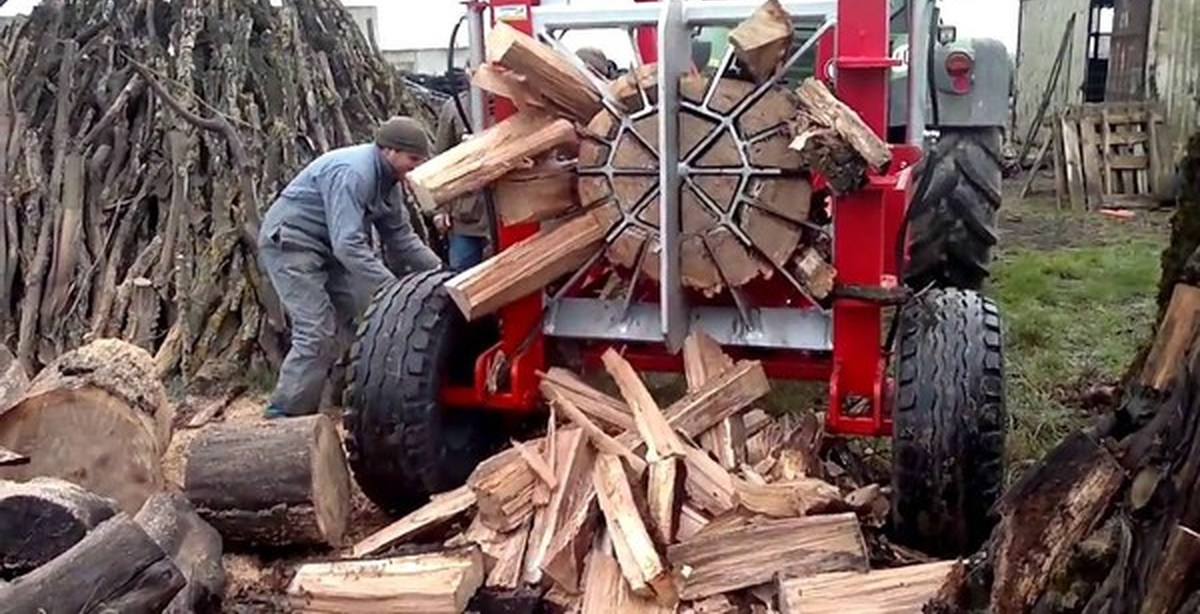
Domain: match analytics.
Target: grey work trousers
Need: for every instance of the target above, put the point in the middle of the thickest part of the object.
(323, 302)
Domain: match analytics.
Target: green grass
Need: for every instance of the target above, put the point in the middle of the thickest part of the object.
(1073, 316)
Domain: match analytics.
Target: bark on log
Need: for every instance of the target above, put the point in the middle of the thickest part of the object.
(115, 568)
(834, 140)
(195, 547)
(96, 416)
(13, 379)
(43, 518)
(300, 491)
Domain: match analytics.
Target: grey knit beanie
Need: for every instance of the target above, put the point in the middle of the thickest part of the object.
(403, 134)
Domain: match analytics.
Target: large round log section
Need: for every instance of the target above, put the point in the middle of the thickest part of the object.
(115, 568)
(43, 518)
(271, 484)
(195, 547)
(96, 416)
(745, 200)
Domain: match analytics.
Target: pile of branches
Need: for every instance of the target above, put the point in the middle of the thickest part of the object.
(140, 141)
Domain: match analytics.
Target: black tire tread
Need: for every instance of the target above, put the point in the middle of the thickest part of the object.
(952, 240)
(949, 422)
(396, 433)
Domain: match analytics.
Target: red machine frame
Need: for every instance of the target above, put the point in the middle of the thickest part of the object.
(866, 227)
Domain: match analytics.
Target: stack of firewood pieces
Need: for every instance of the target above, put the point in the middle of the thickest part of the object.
(139, 142)
(581, 156)
(705, 505)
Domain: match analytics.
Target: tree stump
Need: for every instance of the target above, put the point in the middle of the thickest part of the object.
(96, 416)
(195, 547)
(277, 483)
(43, 518)
(116, 568)
(744, 201)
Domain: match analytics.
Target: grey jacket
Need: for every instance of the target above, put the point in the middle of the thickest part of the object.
(468, 213)
(328, 206)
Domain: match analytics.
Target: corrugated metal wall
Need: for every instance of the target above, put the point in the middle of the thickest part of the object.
(1127, 64)
(1042, 23)
(1173, 69)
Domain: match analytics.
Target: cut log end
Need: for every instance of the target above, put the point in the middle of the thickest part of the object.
(43, 518)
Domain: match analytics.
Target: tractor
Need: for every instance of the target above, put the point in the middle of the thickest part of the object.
(909, 346)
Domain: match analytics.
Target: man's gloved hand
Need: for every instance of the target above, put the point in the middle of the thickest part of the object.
(441, 221)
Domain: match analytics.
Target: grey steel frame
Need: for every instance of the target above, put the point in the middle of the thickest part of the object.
(623, 320)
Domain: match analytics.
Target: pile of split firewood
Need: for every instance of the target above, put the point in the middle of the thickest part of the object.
(621, 503)
(623, 506)
(581, 156)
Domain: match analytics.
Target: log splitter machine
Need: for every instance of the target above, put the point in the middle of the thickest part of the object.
(907, 353)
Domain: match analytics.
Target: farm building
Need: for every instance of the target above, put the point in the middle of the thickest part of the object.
(1111, 51)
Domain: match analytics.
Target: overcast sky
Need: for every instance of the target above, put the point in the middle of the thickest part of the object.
(403, 25)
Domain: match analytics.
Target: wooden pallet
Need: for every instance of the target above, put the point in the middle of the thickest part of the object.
(1107, 153)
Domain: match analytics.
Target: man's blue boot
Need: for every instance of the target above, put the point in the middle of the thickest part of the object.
(273, 411)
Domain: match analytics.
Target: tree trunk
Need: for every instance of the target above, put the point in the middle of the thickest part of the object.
(278, 483)
(96, 416)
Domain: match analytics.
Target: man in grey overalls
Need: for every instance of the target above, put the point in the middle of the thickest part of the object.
(315, 245)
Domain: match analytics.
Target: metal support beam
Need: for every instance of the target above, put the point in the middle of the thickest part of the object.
(475, 36)
(695, 13)
(674, 44)
(780, 328)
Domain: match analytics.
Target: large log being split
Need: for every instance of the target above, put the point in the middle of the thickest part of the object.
(115, 568)
(42, 518)
(193, 545)
(833, 139)
(733, 231)
(97, 416)
(277, 483)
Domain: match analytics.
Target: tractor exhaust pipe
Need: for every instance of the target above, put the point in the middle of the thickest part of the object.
(918, 69)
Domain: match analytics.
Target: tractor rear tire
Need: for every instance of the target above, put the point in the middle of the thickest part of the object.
(953, 235)
(949, 422)
(402, 445)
